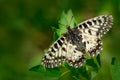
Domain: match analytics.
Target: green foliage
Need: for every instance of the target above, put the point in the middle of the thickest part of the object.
(87, 72)
(65, 21)
(47, 71)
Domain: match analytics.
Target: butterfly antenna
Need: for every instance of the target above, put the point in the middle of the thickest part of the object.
(70, 20)
(68, 26)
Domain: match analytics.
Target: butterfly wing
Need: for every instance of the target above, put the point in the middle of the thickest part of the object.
(97, 26)
(55, 55)
(63, 50)
(92, 30)
(75, 57)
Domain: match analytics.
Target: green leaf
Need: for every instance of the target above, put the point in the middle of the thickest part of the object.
(79, 73)
(53, 71)
(47, 71)
(84, 73)
(65, 21)
(68, 75)
(90, 62)
(62, 24)
(92, 68)
(71, 20)
(55, 35)
(65, 75)
(98, 60)
(38, 68)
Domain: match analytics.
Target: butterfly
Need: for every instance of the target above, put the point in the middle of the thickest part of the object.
(84, 38)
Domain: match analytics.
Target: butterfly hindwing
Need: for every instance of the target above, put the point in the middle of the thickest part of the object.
(75, 57)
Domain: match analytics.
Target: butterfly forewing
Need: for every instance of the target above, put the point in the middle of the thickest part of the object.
(75, 43)
(56, 54)
(96, 26)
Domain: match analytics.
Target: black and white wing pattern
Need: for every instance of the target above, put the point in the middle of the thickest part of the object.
(75, 43)
(63, 50)
(91, 32)
(56, 54)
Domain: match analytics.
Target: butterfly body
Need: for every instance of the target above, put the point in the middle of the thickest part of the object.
(76, 42)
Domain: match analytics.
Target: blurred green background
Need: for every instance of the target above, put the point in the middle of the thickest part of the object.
(25, 31)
